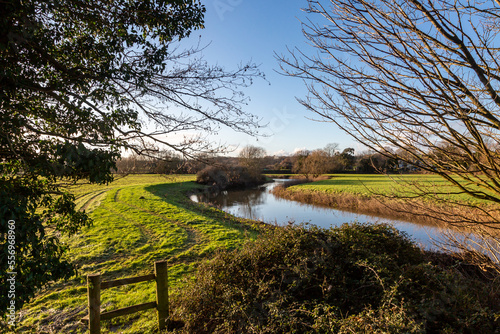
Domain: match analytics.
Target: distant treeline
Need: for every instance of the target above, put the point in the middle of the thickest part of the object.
(306, 162)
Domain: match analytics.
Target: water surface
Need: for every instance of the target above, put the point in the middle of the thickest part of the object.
(260, 204)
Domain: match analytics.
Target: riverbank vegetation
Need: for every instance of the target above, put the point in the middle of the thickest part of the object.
(400, 197)
(222, 178)
(369, 193)
(247, 173)
(351, 279)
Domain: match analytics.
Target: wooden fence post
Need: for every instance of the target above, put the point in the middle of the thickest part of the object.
(94, 298)
(162, 293)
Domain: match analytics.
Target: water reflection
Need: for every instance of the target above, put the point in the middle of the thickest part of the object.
(246, 201)
(260, 204)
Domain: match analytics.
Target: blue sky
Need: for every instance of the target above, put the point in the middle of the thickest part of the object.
(244, 30)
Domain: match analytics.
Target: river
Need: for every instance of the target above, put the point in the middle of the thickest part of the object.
(260, 204)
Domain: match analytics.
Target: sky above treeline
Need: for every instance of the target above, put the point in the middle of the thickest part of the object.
(239, 31)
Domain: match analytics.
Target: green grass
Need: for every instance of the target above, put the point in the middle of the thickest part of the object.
(394, 185)
(138, 219)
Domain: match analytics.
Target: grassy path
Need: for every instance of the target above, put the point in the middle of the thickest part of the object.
(138, 220)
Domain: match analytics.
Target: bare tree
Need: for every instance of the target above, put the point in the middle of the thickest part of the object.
(416, 81)
(317, 162)
(332, 149)
(252, 157)
(299, 165)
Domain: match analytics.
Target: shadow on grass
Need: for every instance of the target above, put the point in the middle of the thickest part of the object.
(177, 194)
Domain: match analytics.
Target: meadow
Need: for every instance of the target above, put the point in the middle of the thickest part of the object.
(418, 198)
(404, 185)
(138, 219)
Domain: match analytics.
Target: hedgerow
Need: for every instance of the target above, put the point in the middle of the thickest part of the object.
(355, 278)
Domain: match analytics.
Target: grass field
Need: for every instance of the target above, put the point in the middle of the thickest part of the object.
(395, 185)
(138, 220)
(418, 198)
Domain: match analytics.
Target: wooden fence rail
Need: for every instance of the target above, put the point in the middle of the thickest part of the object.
(94, 287)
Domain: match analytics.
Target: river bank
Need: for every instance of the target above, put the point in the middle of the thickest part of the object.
(376, 206)
(469, 226)
(381, 196)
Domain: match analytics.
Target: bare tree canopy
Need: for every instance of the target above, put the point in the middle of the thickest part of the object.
(415, 81)
(251, 157)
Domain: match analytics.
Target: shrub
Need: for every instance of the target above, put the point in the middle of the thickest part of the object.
(212, 176)
(303, 280)
(354, 278)
(230, 177)
(392, 319)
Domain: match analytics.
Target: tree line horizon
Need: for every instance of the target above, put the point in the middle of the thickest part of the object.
(309, 163)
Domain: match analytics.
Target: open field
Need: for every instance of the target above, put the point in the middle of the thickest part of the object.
(367, 185)
(395, 197)
(138, 220)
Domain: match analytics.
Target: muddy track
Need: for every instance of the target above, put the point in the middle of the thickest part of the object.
(91, 199)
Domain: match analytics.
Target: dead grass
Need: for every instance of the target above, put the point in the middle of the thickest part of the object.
(348, 202)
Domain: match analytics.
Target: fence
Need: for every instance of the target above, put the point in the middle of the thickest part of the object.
(94, 287)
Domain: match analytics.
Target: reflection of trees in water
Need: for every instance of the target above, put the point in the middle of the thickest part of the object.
(245, 200)
(247, 203)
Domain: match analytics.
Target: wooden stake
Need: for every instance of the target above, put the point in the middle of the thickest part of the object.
(162, 293)
(94, 298)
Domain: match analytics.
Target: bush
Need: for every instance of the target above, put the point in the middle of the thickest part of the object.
(212, 176)
(230, 177)
(307, 280)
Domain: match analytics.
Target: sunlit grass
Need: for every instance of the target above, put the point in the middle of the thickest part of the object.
(393, 185)
(138, 219)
